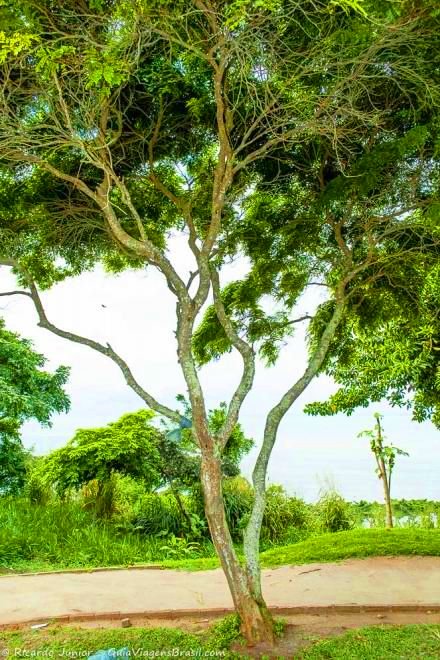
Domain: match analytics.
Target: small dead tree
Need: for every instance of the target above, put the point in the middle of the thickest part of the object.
(385, 456)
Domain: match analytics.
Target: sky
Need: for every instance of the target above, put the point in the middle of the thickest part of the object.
(135, 313)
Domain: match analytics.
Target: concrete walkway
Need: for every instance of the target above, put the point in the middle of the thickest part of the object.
(382, 582)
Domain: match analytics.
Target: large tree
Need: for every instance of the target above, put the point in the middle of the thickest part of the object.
(301, 134)
(27, 391)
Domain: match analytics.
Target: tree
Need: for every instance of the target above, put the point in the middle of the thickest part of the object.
(13, 459)
(129, 446)
(26, 392)
(300, 134)
(134, 446)
(385, 456)
(391, 356)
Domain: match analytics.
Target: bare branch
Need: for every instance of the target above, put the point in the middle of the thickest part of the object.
(15, 293)
(106, 349)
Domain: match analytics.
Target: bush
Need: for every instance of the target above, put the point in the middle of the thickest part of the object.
(36, 489)
(156, 514)
(283, 516)
(238, 495)
(333, 513)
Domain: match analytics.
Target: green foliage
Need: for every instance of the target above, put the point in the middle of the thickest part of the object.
(302, 136)
(422, 514)
(385, 453)
(333, 513)
(237, 445)
(223, 633)
(27, 391)
(391, 355)
(179, 548)
(158, 515)
(238, 495)
(183, 454)
(128, 446)
(283, 516)
(73, 537)
(242, 302)
(13, 464)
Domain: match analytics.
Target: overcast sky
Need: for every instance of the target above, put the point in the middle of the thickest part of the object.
(135, 313)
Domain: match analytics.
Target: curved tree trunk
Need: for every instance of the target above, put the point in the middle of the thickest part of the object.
(253, 528)
(256, 621)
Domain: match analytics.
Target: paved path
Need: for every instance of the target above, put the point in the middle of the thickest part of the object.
(384, 581)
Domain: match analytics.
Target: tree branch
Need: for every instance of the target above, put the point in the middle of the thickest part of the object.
(248, 356)
(273, 420)
(15, 293)
(106, 350)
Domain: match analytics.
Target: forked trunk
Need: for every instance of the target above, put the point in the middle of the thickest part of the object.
(256, 621)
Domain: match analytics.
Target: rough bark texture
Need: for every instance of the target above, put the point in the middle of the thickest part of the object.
(256, 621)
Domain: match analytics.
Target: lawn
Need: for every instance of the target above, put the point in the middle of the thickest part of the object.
(337, 546)
(98, 551)
(416, 642)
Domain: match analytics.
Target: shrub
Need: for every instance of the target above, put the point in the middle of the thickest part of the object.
(36, 489)
(238, 495)
(333, 513)
(158, 513)
(283, 515)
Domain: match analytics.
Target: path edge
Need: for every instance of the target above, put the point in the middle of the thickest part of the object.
(218, 612)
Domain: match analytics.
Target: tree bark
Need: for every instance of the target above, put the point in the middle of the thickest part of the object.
(387, 495)
(274, 418)
(256, 621)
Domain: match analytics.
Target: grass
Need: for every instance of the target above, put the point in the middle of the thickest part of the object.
(415, 642)
(63, 535)
(337, 546)
(356, 543)
(143, 642)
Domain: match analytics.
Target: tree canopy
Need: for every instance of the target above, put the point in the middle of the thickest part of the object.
(396, 357)
(128, 446)
(27, 391)
(302, 135)
(135, 446)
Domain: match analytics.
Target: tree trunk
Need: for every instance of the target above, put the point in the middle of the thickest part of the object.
(387, 495)
(256, 621)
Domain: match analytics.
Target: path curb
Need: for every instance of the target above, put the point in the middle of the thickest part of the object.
(217, 612)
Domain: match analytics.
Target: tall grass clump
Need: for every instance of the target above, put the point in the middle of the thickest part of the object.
(65, 535)
(332, 513)
(285, 519)
(158, 514)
